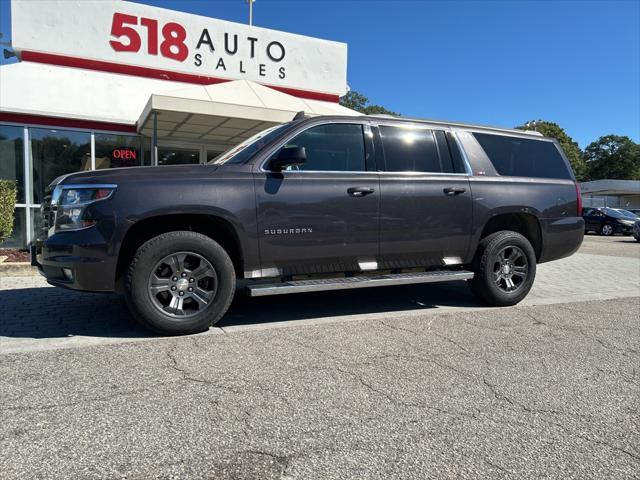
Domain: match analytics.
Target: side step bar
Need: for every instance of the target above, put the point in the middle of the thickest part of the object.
(361, 281)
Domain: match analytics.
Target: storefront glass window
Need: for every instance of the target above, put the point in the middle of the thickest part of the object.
(117, 151)
(18, 238)
(12, 157)
(178, 156)
(55, 153)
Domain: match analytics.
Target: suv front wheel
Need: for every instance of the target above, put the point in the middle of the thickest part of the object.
(504, 267)
(179, 283)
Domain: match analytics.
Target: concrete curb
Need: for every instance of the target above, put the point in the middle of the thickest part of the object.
(17, 269)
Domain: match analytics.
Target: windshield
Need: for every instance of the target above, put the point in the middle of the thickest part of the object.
(619, 213)
(628, 214)
(245, 150)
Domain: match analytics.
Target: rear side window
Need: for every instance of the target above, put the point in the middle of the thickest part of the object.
(337, 147)
(523, 157)
(409, 149)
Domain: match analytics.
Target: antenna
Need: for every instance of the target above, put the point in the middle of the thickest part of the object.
(250, 2)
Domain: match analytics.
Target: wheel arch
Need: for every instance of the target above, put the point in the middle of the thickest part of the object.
(218, 228)
(525, 223)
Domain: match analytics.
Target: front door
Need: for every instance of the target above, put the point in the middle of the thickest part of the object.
(425, 200)
(320, 217)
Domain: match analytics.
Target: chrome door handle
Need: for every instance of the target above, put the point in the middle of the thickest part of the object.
(359, 191)
(451, 191)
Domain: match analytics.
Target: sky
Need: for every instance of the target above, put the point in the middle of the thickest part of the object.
(576, 63)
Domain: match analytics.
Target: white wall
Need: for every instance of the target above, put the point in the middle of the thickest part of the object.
(39, 89)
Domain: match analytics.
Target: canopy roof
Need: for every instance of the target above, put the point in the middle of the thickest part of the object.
(226, 113)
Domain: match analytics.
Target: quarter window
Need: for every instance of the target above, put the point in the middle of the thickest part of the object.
(523, 157)
(337, 147)
(410, 150)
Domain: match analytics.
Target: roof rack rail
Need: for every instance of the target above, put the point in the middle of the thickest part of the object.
(456, 124)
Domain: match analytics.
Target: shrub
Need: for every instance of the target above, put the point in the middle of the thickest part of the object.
(7, 205)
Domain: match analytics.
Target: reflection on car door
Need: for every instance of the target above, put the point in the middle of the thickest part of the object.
(323, 216)
(425, 202)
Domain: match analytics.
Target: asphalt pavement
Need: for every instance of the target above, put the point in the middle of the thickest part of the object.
(400, 383)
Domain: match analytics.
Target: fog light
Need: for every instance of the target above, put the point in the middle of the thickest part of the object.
(68, 273)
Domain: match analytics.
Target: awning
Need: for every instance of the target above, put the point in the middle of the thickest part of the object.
(225, 113)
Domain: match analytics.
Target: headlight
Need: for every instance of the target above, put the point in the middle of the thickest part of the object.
(70, 202)
(626, 222)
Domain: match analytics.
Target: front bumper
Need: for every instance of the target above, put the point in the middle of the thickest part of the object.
(79, 260)
(623, 229)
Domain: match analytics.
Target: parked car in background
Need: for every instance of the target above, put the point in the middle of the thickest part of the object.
(608, 221)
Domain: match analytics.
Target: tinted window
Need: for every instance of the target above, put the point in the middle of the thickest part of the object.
(409, 149)
(12, 157)
(446, 162)
(55, 153)
(523, 157)
(117, 151)
(334, 147)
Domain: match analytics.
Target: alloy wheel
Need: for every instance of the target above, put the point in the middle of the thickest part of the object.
(183, 284)
(510, 269)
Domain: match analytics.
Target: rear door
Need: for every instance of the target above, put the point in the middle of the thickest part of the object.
(321, 216)
(425, 198)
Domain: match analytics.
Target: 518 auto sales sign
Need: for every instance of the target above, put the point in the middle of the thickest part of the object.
(114, 35)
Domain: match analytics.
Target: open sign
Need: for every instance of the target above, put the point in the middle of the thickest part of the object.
(124, 153)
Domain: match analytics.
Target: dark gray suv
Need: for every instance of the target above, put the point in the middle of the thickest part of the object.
(319, 203)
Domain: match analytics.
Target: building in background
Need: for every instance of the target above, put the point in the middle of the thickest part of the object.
(114, 83)
(611, 193)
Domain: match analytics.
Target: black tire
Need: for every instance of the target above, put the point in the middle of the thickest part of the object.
(484, 284)
(637, 238)
(606, 230)
(146, 307)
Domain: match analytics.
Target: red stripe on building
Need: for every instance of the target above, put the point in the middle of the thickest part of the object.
(21, 118)
(156, 73)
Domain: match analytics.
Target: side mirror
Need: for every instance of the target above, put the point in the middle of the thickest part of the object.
(288, 156)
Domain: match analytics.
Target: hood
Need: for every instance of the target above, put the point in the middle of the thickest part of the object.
(136, 174)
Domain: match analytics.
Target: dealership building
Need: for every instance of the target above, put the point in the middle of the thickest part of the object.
(114, 83)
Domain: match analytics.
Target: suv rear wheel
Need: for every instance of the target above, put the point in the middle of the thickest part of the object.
(505, 268)
(180, 282)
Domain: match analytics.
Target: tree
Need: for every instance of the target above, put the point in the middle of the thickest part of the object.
(358, 102)
(613, 156)
(570, 146)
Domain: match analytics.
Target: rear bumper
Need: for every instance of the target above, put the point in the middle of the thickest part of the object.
(561, 237)
(77, 260)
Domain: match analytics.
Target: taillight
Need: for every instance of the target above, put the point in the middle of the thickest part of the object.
(579, 194)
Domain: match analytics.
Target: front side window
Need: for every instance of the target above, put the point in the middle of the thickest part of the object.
(337, 147)
(408, 149)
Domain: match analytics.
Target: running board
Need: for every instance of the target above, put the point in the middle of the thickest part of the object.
(360, 281)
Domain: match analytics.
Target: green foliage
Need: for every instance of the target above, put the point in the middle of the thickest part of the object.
(358, 102)
(570, 147)
(613, 156)
(7, 205)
